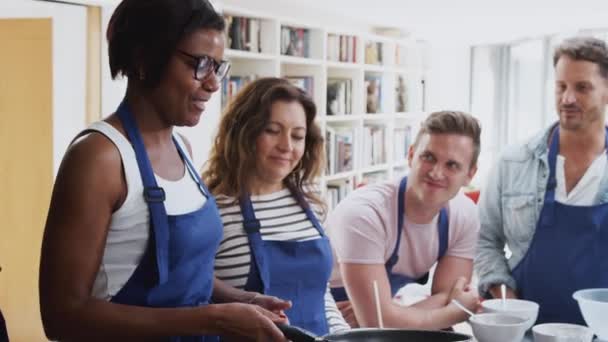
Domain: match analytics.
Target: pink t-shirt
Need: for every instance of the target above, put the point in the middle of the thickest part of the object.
(363, 230)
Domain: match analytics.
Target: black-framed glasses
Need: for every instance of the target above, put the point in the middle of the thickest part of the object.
(205, 65)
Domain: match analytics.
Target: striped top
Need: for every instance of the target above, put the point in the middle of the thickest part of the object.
(281, 219)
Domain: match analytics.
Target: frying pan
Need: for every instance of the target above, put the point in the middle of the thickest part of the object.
(296, 334)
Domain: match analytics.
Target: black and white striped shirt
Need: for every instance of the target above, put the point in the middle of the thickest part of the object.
(281, 219)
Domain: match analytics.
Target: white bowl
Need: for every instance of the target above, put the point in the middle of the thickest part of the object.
(517, 307)
(498, 327)
(561, 332)
(594, 307)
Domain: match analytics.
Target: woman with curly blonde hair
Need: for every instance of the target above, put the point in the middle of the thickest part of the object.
(267, 153)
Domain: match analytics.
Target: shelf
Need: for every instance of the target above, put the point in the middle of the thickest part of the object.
(341, 118)
(339, 176)
(374, 68)
(300, 60)
(409, 115)
(375, 168)
(323, 67)
(342, 65)
(378, 117)
(406, 70)
(231, 53)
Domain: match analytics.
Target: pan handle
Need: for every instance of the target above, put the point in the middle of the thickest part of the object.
(297, 334)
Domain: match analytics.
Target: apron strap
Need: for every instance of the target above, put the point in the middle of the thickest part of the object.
(308, 211)
(252, 228)
(392, 260)
(153, 194)
(442, 228)
(191, 170)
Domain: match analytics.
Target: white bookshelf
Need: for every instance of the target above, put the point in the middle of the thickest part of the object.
(402, 63)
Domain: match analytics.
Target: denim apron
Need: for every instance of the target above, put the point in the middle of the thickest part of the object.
(176, 269)
(291, 270)
(396, 280)
(569, 252)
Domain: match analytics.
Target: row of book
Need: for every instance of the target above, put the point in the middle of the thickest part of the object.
(402, 138)
(374, 143)
(339, 96)
(303, 82)
(337, 191)
(339, 92)
(295, 41)
(373, 52)
(341, 48)
(339, 149)
(243, 33)
(232, 85)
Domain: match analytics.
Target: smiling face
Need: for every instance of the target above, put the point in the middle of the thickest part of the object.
(179, 97)
(581, 94)
(280, 146)
(440, 164)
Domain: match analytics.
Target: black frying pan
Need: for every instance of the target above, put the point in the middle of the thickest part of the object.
(296, 334)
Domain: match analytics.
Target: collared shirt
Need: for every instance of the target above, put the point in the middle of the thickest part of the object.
(510, 206)
(585, 191)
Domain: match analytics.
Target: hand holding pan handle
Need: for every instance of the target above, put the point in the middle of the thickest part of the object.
(296, 334)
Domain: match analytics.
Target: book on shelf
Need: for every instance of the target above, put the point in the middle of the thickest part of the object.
(243, 33)
(295, 41)
(339, 96)
(374, 143)
(402, 137)
(401, 103)
(337, 191)
(373, 52)
(399, 55)
(341, 48)
(339, 149)
(303, 82)
(373, 85)
(232, 85)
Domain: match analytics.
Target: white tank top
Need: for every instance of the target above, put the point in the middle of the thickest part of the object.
(130, 224)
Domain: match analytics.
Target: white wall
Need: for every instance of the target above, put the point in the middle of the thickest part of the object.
(69, 65)
(448, 80)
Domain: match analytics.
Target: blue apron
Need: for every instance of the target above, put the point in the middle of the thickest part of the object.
(176, 269)
(398, 281)
(291, 270)
(568, 252)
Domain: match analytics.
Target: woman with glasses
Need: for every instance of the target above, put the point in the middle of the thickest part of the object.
(132, 231)
(267, 153)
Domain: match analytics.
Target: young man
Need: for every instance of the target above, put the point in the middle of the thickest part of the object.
(546, 199)
(394, 232)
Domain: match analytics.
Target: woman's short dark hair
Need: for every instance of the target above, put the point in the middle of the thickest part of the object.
(143, 34)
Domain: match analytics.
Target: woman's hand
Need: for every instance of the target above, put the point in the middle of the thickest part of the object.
(271, 303)
(245, 321)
